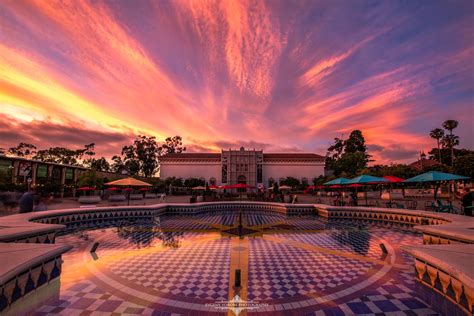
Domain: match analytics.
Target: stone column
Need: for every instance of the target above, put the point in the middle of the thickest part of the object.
(50, 171)
(63, 181)
(34, 168)
(75, 173)
(16, 166)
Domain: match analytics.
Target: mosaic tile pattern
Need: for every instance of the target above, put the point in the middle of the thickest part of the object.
(279, 271)
(200, 271)
(356, 242)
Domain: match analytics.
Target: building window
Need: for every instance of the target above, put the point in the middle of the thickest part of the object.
(6, 168)
(259, 174)
(224, 173)
(56, 175)
(69, 176)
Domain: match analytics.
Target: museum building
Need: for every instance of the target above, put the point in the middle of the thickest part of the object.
(252, 167)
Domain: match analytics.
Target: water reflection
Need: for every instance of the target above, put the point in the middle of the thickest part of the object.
(143, 233)
(358, 240)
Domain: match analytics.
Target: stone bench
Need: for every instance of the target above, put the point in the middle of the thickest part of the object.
(117, 198)
(136, 196)
(89, 199)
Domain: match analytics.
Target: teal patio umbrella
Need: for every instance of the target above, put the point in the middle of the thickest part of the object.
(436, 177)
(366, 179)
(338, 181)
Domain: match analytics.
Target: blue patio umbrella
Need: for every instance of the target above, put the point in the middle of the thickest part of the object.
(366, 179)
(437, 177)
(338, 181)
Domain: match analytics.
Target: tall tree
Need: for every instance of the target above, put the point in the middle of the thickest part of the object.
(172, 145)
(118, 166)
(142, 156)
(355, 142)
(464, 165)
(64, 155)
(348, 156)
(450, 125)
(100, 164)
(437, 134)
(23, 150)
(450, 141)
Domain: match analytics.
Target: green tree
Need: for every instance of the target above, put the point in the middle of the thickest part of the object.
(194, 182)
(464, 165)
(172, 145)
(450, 125)
(437, 134)
(174, 182)
(118, 166)
(142, 156)
(290, 181)
(23, 150)
(100, 164)
(347, 157)
(90, 179)
(450, 141)
(355, 143)
(64, 155)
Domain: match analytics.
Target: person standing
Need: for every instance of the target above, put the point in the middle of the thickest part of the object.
(27, 201)
(466, 201)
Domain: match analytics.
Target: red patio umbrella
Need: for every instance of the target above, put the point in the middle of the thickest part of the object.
(86, 189)
(113, 189)
(355, 185)
(393, 179)
(143, 189)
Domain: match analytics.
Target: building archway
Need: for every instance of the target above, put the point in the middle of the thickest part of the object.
(242, 179)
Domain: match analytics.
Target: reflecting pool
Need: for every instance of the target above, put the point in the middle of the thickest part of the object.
(176, 265)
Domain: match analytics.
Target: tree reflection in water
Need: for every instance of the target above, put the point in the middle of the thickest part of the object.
(142, 233)
(357, 239)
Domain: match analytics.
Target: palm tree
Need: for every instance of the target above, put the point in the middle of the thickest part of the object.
(437, 134)
(450, 125)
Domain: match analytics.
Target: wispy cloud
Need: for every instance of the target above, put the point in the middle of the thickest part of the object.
(274, 75)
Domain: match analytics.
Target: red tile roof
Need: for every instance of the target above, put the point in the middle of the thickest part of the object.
(423, 163)
(192, 156)
(266, 157)
(293, 157)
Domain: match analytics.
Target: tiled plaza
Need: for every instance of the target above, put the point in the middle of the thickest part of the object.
(290, 266)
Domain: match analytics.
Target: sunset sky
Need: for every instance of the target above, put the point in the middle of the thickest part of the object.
(276, 75)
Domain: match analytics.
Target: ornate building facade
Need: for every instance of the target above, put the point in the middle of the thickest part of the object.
(252, 167)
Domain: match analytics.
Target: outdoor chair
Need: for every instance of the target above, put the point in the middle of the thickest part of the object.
(412, 205)
(445, 208)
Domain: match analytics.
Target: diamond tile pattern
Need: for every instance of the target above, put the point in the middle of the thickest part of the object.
(281, 271)
(201, 271)
(278, 273)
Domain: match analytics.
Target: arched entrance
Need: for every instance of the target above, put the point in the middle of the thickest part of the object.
(242, 180)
